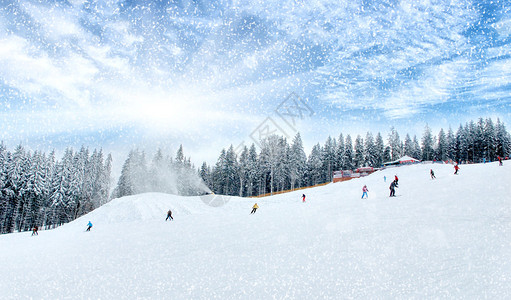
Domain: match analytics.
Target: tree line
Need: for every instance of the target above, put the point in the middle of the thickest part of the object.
(280, 165)
(38, 190)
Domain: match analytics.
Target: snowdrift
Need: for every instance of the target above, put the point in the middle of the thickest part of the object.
(443, 238)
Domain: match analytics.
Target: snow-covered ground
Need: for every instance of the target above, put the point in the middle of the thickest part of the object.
(444, 238)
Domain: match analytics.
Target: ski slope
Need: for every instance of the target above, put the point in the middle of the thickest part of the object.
(444, 238)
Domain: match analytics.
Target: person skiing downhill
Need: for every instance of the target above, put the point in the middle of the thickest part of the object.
(456, 168)
(432, 174)
(89, 226)
(365, 190)
(500, 160)
(34, 231)
(169, 215)
(392, 188)
(254, 208)
(303, 198)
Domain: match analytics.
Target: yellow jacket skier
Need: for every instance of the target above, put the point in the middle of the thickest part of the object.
(254, 208)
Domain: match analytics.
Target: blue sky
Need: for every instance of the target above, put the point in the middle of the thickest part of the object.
(120, 74)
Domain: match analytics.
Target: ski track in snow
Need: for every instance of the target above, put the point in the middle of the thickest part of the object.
(444, 238)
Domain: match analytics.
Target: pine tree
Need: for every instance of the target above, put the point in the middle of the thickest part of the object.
(395, 144)
(387, 156)
(451, 145)
(328, 159)
(408, 146)
(253, 171)
(244, 165)
(442, 146)
(218, 178)
(359, 152)
(315, 166)
(417, 152)
(125, 185)
(379, 149)
(271, 152)
(461, 144)
(105, 180)
(489, 141)
(205, 174)
(348, 154)
(502, 141)
(298, 162)
(370, 152)
(341, 149)
(427, 144)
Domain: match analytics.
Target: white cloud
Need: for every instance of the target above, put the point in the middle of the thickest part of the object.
(56, 23)
(503, 28)
(34, 72)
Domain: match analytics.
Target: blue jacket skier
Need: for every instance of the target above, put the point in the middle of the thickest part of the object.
(89, 226)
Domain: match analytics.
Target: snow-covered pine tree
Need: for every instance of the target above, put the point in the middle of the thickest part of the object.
(315, 166)
(441, 146)
(205, 174)
(359, 152)
(253, 171)
(271, 152)
(489, 144)
(298, 162)
(387, 154)
(15, 182)
(4, 199)
(328, 159)
(125, 182)
(502, 141)
(461, 144)
(417, 152)
(282, 169)
(451, 145)
(408, 146)
(370, 152)
(231, 173)
(105, 180)
(218, 178)
(340, 164)
(348, 154)
(243, 170)
(395, 144)
(36, 184)
(379, 150)
(157, 175)
(427, 144)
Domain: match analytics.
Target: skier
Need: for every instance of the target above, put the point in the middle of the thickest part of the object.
(500, 160)
(395, 180)
(34, 231)
(384, 178)
(89, 226)
(169, 215)
(254, 208)
(303, 198)
(456, 168)
(365, 190)
(392, 188)
(432, 174)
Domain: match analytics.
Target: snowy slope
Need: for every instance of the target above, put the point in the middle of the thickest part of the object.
(443, 238)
